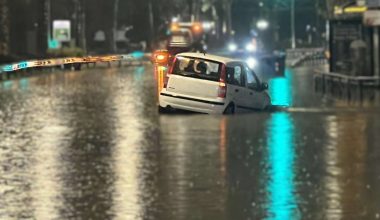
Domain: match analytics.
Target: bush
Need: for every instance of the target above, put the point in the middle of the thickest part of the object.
(66, 52)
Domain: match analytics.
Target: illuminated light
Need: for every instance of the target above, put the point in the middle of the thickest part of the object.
(262, 24)
(22, 65)
(8, 68)
(232, 47)
(207, 25)
(197, 28)
(251, 62)
(161, 57)
(138, 54)
(251, 47)
(174, 27)
(358, 9)
(338, 10)
(175, 19)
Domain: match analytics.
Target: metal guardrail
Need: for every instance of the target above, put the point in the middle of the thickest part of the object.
(364, 80)
(299, 56)
(74, 60)
(336, 83)
(315, 58)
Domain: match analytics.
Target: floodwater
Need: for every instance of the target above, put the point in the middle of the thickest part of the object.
(91, 145)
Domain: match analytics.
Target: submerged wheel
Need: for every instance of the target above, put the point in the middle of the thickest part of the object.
(163, 110)
(230, 110)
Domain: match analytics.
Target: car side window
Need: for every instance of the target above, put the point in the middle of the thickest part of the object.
(252, 82)
(235, 75)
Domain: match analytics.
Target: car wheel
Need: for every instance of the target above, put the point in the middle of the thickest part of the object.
(163, 110)
(230, 110)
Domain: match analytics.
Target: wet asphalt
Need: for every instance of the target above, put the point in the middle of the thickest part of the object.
(91, 145)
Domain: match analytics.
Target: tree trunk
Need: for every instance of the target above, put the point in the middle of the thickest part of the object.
(115, 24)
(4, 28)
(330, 4)
(80, 24)
(228, 17)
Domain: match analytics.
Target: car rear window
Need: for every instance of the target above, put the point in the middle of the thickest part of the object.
(197, 68)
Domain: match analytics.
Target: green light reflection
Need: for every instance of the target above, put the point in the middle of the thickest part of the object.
(280, 90)
(282, 201)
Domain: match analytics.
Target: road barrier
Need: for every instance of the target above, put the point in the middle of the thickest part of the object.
(306, 56)
(343, 85)
(136, 58)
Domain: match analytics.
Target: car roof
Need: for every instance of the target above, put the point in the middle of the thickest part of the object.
(206, 56)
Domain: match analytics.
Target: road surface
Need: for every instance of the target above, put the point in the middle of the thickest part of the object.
(91, 145)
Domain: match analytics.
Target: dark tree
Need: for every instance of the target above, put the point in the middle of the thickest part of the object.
(4, 27)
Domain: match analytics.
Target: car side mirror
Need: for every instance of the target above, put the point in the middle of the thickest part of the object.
(264, 86)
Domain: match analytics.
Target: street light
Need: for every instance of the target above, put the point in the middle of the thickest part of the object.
(262, 25)
(292, 17)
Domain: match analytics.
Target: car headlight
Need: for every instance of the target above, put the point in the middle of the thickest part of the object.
(232, 47)
(251, 62)
(250, 47)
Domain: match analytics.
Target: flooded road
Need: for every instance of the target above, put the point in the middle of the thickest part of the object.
(91, 145)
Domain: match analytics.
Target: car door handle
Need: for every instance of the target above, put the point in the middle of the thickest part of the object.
(236, 90)
(251, 93)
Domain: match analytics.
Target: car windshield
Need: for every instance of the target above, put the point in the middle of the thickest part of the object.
(197, 68)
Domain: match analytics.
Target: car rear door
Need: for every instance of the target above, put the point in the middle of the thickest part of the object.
(236, 86)
(197, 88)
(195, 77)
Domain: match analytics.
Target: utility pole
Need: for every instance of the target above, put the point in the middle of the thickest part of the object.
(293, 21)
(151, 22)
(228, 8)
(115, 24)
(48, 20)
(80, 20)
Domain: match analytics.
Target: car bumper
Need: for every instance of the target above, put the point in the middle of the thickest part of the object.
(191, 104)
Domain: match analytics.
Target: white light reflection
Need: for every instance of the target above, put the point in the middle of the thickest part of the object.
(332, 184)
(127, 155)
(49, 143)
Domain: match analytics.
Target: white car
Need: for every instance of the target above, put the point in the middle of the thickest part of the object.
(211, 84)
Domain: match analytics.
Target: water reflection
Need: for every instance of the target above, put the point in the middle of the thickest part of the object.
(280, 90)
(138, 73)
(7, 85)
(282, 201)
(81, 145)
(346, 166)
(24, 84)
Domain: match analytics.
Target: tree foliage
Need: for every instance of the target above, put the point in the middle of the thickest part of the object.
(4, 28)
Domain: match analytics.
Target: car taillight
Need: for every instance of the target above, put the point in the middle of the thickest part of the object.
(161, 57)
(171, 68)
(222, 90)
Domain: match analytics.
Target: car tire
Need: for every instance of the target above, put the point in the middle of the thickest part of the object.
(230, 110)
(163, 110)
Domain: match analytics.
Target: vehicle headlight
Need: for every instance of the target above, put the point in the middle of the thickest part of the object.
(251, 62)
(250, 47)
(232, 47)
